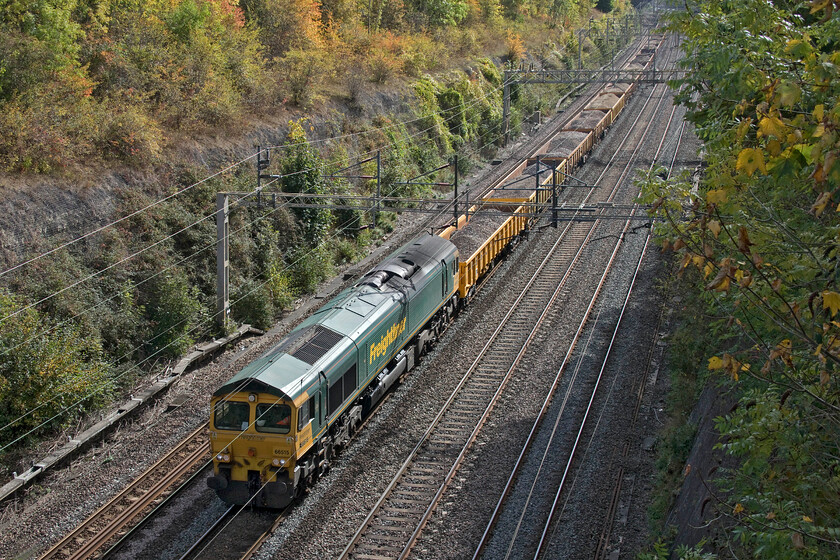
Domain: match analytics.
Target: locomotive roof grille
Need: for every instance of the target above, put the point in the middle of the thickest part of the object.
(319, 344)
(308, 345)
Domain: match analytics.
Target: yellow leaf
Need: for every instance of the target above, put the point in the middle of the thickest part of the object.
(714, 226)
(750, 160)
(789, 93)
(737, 509)
(719, 283)
(774, 147)
(819, 111)
(831, 300)
(715, 363)
(807, 519)
(743, 128)
(819, 205)
(716, 196)
(771, 126)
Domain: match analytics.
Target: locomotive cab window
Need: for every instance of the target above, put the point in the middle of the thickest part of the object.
(303, 415)
(231, 416)
(274, 418)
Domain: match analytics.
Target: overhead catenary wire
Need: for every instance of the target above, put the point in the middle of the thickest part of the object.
(48, 297)
(442, 211)
(126, 217)
(208, 178)
(108, 383)
(463, 108)
(212, 215)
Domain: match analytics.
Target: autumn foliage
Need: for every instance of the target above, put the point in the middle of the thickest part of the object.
(86, 81)
(763, 90)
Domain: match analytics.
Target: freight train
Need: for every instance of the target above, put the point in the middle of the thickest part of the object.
(277, 424)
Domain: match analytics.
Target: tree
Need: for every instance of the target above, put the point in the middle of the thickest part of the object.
(763, 89)
(442, 12)
(48, 374)
(284, 24)
(303, 173)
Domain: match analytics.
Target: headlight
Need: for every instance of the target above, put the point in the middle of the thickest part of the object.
(224, 458)
(278, 462)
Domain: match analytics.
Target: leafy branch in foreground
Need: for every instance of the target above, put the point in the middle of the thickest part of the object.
(763, 229)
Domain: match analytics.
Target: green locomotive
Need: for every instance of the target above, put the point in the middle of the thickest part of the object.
(276, 424)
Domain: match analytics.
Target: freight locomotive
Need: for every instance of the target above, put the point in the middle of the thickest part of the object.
(277, 424)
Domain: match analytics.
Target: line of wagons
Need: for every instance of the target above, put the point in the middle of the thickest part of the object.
(277, 424)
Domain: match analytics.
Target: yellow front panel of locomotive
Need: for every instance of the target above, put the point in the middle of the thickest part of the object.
(250, 449)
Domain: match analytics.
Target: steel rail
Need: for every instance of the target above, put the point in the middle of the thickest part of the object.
(456, 392)
(442, 487)
(129, 504)
(609, 520)
(453, 469)
(547, 400)
(206, 534)
(589, 404)
(464, 379)
(611, 508)
(617, 488)
(255, 546)
(491, 406)
(526, 446)
(606, 530)
(150, 516)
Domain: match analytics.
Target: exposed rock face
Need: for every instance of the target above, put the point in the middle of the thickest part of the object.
(38, 212)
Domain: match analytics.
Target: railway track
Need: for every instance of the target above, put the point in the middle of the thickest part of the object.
(115, 518)
(394, 524)
(641, 384)
(396, 520)
(195, 551)
(542, 478)
(480, 387)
